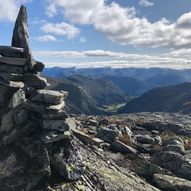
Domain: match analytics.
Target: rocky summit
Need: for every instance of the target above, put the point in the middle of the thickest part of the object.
(42, 148)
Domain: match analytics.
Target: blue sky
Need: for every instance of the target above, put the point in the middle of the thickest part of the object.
(97, 33)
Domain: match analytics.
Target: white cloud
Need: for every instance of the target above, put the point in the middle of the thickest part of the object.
(61, 29)
(38, 21)
(45, 38)
(122, 25)
(9, 9)
(82, 39)
(119, 64)
(59, 54)
(118, 59)
(146, 3)
(78, 11)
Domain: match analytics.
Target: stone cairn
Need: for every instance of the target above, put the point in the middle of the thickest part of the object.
(35, 133)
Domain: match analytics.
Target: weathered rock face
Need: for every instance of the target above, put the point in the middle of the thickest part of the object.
(21, 33)
(34, 128)
(166, 182)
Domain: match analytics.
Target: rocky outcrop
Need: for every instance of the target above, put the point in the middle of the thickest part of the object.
(35, 135)
(21, 33)
(166, 182)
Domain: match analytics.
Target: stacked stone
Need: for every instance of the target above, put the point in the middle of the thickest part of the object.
(34, 129)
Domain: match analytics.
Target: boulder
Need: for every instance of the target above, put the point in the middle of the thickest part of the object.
(68, 162)
(166, 182)
(86, 138)
(7, 91)
(92, 122)
(176, 163)
(17, 99)
(121, 147)
(147, 169)
(175, 148)
(22, 171)
(107, 134)
(144, 139)
(49, 96)
(175, 144)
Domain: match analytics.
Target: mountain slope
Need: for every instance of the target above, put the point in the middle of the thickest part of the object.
(88, 96)
(78, 101)
(165, 79)
(165, 99)
(130, 85)
(102, 91)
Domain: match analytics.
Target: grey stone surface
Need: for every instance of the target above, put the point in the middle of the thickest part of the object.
(13, 61)
(13, 52)
(17, 99)
(34, 80)
(57, 125)
(11, 69)
(167, 182)
(11, 76)
(49, 96)
(107, 134)
(20, 37)
(176, 163)
(123, 148)
(145, 139)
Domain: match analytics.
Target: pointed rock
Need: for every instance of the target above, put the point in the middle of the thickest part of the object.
(20, 37)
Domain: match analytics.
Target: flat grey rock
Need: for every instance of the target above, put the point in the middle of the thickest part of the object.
(9, 51)
(34, 80)
(55, 136)
(172, 183)
(57, 125)
(10, 76)
(174, 162)
(11, 84)
(123, 148)
(11, 69)
(13, 61)
(42, 108)
(50, 96)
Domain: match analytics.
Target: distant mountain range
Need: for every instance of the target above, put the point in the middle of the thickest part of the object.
(107, 90)
(132, 81)
(89, 96)
(175, 98)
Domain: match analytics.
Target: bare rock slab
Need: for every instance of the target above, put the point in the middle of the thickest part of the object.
(34, 80)
(13, 52)
(172, 183)
(50, 96)
(13, 61)
(57, 125)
